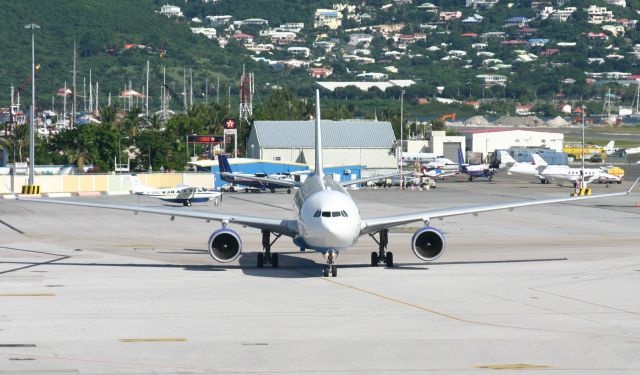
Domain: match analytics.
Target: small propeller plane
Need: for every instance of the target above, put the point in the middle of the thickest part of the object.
(180, 194)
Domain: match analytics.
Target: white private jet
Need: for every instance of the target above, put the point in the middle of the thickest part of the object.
(180, 194)
(327, 220)
(525, 169)
(565, 173)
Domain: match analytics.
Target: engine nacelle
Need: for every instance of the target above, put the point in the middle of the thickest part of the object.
(225, 245)
(428, 243)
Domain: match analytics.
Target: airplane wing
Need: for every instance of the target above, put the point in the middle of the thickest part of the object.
(377, 224)
(282, 226)
(274, 181)
(367, 179)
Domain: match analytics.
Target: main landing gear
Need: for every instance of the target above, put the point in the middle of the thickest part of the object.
(266, 257)
(187, 203)
(382, 256)
(330, 267)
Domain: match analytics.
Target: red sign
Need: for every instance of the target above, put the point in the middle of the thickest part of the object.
(205, 139)
(229, 123)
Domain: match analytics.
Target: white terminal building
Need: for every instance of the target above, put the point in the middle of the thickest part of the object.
(486, 141)
(368, 143)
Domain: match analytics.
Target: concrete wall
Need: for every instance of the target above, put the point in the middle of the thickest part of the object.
(103, 182)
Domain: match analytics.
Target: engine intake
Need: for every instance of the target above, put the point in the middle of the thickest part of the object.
(428, 243)
(225, 245)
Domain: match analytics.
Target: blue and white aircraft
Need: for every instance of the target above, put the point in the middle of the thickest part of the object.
(328, 220)
(261, 183)
(475, 170)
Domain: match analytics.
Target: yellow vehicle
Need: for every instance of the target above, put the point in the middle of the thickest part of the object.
(592, 153)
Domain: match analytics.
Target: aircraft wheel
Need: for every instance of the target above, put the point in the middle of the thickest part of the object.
(389, 259)
(374, 259)
(273, 190)
(185, 204)
(274, 260)
(260, 260)
(325, 272)
(470, 178)
(334, 271)
(288, 191)
(490, 178)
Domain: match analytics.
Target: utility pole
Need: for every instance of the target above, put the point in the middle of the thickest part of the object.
(146, 93)
(64, 105)
(206, 90)
(184, 88)
(190, 88)
(74, 107)
(32, 152)
(401, 134)
(582, 182)
(90, 92)
(218, 91)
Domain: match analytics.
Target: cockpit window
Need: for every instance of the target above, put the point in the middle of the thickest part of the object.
(326, 214)
(317, 214)
(336, 214)
(344, 213)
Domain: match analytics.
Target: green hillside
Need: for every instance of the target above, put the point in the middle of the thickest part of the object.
(97, 26)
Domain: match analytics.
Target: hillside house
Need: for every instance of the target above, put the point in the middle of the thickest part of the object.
(209, 32)
(490, 80)
(524, 109)
(449, 16)
(481, 4)
(598, 15)
(299, 51)
(171, 11)
(516, 22)
(327, 18)
(218, 21)
(320, 72)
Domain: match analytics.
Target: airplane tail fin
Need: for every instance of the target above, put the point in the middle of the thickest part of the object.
(539, 161)
(609, 147)
(223, 164)
(461, 167)
(318, 164)
(137, 186)
(505, 158)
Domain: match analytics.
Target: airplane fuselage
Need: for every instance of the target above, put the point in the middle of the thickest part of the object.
(328, 218)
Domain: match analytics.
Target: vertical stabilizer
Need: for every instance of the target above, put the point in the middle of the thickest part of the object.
(461, 165)
(223, 164)
(505, 158)
(318, 165)
(539, 161)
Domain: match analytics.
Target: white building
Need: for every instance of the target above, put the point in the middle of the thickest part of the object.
(488, 140)
(346, 142)
(327, 17)
(209, 32)
(171, 11)
(598, 15)
(299, 51)
(492, 79)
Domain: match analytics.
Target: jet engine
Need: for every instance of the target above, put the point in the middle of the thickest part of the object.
(225, 245)
(428, 243)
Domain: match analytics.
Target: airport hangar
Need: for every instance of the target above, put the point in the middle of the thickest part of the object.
(486, 141)
(348, 143)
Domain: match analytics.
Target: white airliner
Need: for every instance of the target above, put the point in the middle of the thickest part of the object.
(180, 194)
(525, 169)
(327, 220)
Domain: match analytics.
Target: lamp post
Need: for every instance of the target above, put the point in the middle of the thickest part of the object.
(253, 156)
(401, 134)
(32, 152)
(584, 112)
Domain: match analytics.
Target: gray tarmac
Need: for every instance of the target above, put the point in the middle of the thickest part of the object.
(551, 289)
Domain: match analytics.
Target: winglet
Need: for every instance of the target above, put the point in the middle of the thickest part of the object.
(633, 185)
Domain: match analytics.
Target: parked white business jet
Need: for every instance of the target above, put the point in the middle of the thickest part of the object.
(328, 220)
(525, 169)
(565, 173)
(180, 194)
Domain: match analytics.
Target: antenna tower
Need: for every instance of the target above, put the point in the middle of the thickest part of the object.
(246, 95)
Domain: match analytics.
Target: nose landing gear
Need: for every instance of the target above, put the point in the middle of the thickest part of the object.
(266, 257)
(330, 267)
(382, 256)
